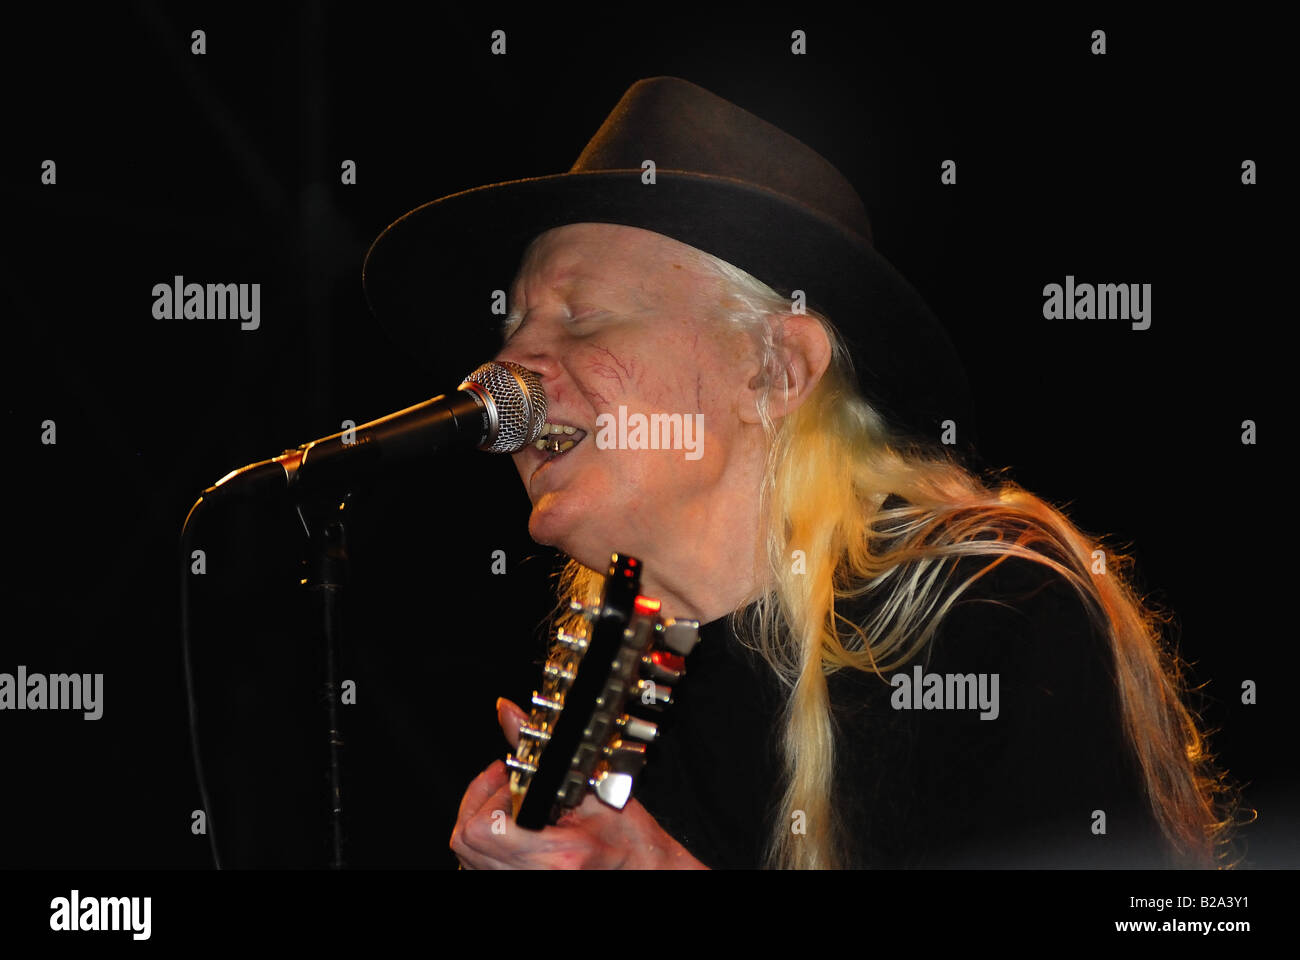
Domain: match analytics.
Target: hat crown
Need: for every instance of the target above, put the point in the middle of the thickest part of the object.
(683, 127)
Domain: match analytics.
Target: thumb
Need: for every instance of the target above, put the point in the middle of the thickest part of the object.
(510, 717)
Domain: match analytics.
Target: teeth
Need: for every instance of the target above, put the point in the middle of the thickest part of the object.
(558, 428)
(551, 434)
(555, 445)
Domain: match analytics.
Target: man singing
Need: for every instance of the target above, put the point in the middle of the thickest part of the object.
(903, 663)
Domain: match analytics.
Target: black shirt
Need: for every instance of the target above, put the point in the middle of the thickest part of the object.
(923, 787)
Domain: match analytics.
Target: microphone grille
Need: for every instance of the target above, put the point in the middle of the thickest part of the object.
(519, 401)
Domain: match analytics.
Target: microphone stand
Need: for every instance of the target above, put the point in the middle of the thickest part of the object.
(500, 403)
(326, 571)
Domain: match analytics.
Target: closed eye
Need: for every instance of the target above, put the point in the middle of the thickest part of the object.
(515, 319)
(582, 313)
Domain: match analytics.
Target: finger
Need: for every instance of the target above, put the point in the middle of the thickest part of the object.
(479, 796)
(511, 718)
(481, 789)
(489, 840)
(475, 858)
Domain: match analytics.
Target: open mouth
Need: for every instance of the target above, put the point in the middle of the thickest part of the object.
(557, 439)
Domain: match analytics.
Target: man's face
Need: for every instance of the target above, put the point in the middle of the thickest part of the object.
(614, 317)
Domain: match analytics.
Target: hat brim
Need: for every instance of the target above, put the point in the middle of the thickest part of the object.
(429, 276)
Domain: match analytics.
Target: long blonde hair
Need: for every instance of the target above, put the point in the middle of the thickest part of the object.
(831, 464)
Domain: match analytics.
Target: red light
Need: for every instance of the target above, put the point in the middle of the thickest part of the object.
(645, 606)
(669, 661)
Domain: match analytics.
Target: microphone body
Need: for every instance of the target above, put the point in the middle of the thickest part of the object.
(500, 407)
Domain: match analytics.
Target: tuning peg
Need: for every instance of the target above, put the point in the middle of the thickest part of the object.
(624, 757)
(558, 672)
(614, 777)
(681, 636)
(545, 704)
(654, 667)
(521, 765)
(656, 696)
(612, 788)
(631, 726)
(533, 733)
(589, 612)
(570, 641)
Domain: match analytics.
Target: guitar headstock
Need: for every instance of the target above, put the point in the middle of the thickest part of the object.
(584, 732)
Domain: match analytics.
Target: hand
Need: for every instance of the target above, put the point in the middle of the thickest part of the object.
(592, 836)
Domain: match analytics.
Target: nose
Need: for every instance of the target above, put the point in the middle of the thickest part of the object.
(536, 345)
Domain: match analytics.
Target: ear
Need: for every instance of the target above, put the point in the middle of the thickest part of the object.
(803, 354)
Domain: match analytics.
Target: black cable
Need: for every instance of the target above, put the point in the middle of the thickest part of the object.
(186, 531)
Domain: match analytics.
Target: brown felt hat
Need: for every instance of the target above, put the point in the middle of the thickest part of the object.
(727, 183)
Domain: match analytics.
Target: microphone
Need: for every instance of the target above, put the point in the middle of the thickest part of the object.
(500, 408)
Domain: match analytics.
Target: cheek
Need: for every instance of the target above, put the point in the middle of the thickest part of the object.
(670, 372)
(608, 370)
(698, 384)
(707, 365)
(684, 372)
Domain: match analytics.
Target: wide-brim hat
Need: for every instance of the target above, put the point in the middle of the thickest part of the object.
(725, 182)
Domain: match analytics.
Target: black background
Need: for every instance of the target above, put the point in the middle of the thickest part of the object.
(225, 168)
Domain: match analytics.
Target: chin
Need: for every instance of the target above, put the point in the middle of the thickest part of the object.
(573, 530)
(554, 522)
